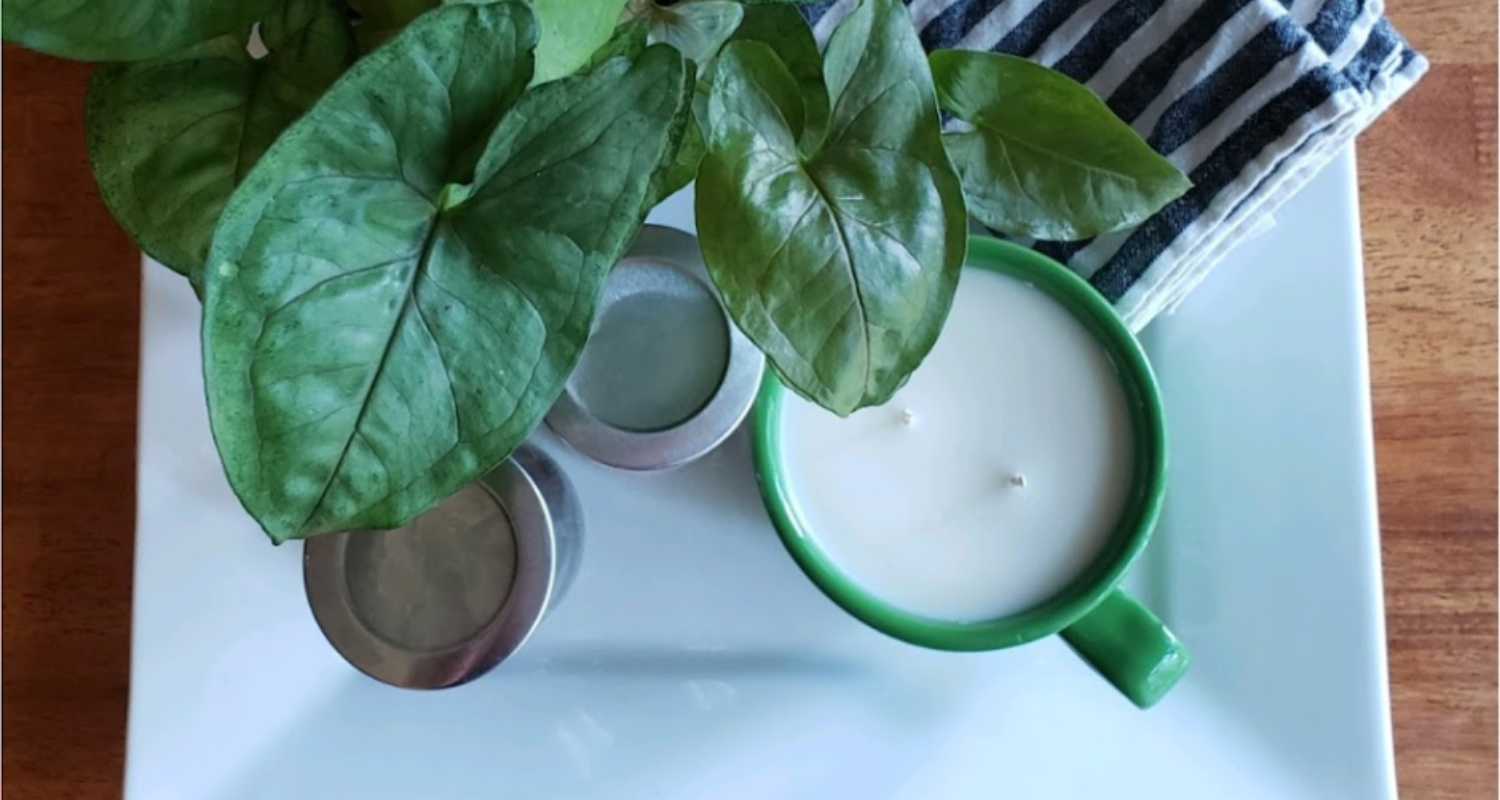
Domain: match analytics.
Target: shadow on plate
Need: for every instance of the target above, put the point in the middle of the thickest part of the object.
(582, 723)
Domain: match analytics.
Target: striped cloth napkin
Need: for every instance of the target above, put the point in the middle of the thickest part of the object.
(1250, 98)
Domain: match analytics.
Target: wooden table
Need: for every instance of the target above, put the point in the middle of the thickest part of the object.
(71, 310)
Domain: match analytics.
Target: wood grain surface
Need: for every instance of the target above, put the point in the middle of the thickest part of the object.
(1428, 204)
(70, 321)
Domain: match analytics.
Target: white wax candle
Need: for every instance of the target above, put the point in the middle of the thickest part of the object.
(990, 481)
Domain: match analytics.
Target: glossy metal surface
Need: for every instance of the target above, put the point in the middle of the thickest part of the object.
(547, 525)
(698, 434)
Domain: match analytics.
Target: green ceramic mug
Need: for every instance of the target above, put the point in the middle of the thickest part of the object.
(1123, 640)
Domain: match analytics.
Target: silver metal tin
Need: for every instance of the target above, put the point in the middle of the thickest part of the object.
(546, 522)
(656, 247)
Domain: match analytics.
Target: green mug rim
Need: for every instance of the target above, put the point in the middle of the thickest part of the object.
(1131, 533)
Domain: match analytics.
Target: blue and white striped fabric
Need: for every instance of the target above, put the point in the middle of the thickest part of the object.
(1250, 98)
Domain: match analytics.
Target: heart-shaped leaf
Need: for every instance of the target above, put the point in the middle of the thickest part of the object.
(170, 138)
(123, 30)
(841, 261)
(1046, 157)
(384, 320)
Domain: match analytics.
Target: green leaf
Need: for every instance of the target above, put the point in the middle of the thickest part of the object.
(672, 172)
(379, 20)
(684, 166)
(627, 41)
(170, 138)
(697, 28)
(787, 33)
(379, 329)
(123, 30)
(571, 30)
(841, 262)
(783, 28)
(1046, 157)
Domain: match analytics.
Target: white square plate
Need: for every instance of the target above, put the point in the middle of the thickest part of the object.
(693, 660)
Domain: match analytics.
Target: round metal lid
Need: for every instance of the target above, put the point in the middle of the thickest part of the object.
(443, 599)
(666, 375)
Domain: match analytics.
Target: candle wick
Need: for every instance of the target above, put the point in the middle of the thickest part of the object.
(908, 417)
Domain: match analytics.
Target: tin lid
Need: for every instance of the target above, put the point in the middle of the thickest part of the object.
(666, 376)
(443, 599)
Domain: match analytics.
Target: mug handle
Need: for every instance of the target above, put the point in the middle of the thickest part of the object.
(1130, 647)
